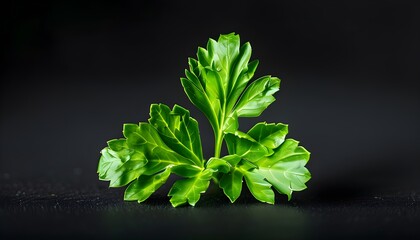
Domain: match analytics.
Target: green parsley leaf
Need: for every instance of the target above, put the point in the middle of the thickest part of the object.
(190, 189)
(219, 83)
(245, 146)
(119, 164)
(231, 183)
(216, 81)
(285, 169)
(178, 130)
(270, 135)
(257, 97)
(259, 188)
(141, 188)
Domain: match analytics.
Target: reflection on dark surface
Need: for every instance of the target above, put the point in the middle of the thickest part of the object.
(59, 210)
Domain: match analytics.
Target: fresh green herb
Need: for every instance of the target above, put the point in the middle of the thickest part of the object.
(218, 83)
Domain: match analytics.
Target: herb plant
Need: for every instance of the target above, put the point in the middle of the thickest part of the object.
(218, 83)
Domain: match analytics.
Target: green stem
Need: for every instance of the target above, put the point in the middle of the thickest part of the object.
(219, 134)
(218, 143)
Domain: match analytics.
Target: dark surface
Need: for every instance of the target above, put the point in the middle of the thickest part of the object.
(58, 210)
(73, 72)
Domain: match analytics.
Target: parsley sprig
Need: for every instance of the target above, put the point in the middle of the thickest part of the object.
(218, 83)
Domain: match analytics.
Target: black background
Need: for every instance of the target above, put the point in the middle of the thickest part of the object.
(73, 72)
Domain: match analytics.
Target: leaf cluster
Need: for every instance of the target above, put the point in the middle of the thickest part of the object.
(218, 83)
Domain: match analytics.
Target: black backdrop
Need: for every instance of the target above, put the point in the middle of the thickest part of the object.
(73, 72)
